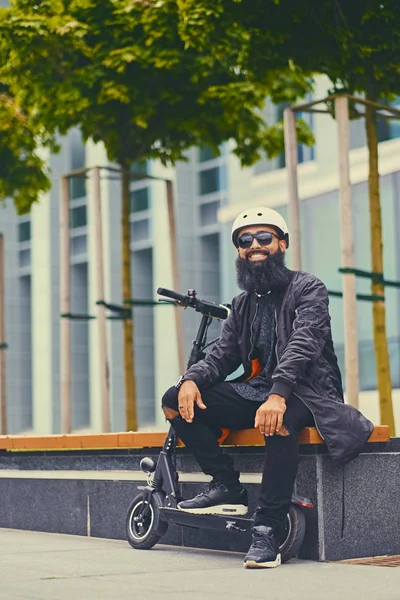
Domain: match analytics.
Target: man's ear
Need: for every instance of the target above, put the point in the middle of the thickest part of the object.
(282, 245)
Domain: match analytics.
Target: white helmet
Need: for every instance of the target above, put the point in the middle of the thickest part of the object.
(260, 216)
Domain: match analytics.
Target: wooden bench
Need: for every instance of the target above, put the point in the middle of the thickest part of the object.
(98, 441)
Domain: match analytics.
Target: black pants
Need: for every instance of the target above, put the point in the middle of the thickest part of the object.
(225, 408)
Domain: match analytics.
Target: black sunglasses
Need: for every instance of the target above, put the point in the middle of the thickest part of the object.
(264, 238)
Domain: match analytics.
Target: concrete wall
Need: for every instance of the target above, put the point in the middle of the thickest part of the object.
(88, 493)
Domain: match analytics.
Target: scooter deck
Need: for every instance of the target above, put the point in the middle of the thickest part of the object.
(216, 522)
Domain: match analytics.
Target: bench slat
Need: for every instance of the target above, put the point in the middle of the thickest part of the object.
(308, 435)
(247, 437)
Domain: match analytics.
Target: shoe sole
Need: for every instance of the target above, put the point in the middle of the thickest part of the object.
(252, 564)
(222, 510)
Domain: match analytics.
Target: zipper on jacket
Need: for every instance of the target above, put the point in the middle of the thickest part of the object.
(251, 332)
(276, 341)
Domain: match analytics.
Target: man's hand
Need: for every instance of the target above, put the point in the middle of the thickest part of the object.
(189, 393)
(269, 417)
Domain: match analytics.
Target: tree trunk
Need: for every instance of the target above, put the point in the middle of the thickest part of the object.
(379, 309)
(129, 360)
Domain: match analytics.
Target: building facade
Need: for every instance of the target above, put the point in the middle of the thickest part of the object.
(209, 192)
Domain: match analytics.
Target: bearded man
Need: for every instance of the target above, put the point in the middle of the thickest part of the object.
(279, 330)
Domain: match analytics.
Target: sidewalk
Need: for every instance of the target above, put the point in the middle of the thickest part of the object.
(45, 566)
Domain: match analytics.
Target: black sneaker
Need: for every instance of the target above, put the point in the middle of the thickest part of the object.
(218, 500)
(264, 549)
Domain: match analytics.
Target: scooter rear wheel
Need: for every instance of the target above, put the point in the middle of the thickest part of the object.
(144, 527)
(296, 530)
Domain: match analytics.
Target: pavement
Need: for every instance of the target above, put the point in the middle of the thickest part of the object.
(46, 566)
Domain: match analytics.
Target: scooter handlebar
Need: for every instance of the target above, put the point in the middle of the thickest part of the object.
(171, 294)
(216, 311)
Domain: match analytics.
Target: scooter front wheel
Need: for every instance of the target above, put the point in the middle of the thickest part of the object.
(144, 527)
(295, 532)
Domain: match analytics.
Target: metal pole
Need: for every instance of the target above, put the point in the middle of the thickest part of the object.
(101, 310)
(175, 275)
(347, 252)
(65, 307)
(289, 123)
(3, 388)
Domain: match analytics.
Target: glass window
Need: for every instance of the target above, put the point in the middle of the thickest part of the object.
(395, 123)
(24, 231)
(209, 181)
(140, 230)
(304, 153)
(206, 153)
(78, 217)
(139, 167)
(210, 275)
(78, 150)
(77, 187)
(139, 200)
(78, 245)
(383, 129)
(388, 129)
(273, 114)
(24, 258)
(208, 213)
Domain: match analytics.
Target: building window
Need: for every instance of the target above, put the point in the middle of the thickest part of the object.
(78, 245)
(77, 187)
(24, 258)
(77, 184)
(272, 114)
(209, 181)
(208, 213)
(139, 167)
(206, 153)
(24, 231)
(25, 353)
(139, 200)
(78, 217)
(388, 129)
(210, 266)
(140, 230)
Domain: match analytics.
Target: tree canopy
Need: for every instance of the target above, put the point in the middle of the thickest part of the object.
(120, 70)
(356, 44)
(23, 171)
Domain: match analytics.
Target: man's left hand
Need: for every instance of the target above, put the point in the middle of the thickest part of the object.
(269, 417)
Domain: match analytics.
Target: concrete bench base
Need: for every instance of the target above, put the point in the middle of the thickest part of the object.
(356, 510)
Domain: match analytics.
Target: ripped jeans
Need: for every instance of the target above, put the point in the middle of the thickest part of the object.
(227, 409)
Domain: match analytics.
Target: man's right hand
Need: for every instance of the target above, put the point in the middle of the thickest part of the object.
(189, 393)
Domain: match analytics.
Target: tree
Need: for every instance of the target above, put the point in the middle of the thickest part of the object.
(23, 173)
(120, 71)
(356, 44)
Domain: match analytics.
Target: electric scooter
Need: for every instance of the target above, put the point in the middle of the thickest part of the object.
(155, 507)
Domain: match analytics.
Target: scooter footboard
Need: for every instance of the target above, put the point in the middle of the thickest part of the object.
(215, 522)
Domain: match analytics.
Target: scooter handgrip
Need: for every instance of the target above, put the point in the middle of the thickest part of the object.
(220, 312)
(217, 311)
(171, 294)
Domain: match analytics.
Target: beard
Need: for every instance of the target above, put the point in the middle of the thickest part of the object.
(263, 276)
